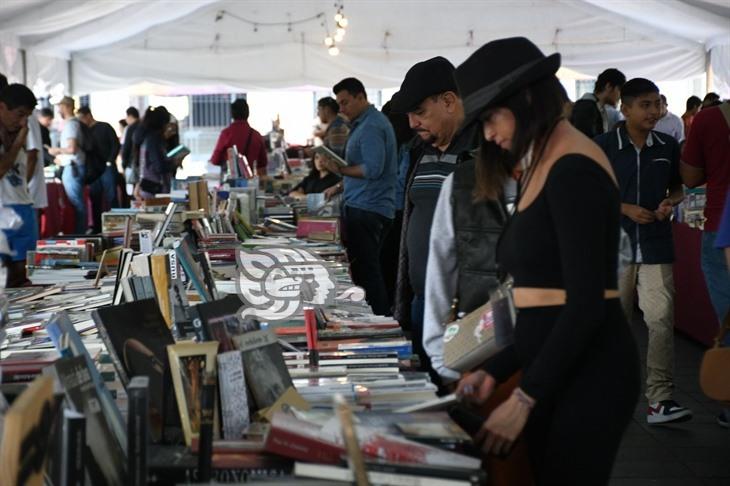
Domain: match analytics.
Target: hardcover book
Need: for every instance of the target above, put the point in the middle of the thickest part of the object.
(264, 367)
(109, 459)
(68, 342)
(137, 337)
(25, 439)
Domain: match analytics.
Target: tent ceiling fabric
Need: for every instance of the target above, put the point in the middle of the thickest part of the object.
(118, 43)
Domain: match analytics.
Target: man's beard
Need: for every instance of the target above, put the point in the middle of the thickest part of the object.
(429, 138)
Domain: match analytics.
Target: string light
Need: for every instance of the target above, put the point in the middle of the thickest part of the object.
(341, 23)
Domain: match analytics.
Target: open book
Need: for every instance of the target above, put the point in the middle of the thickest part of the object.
(326, 152)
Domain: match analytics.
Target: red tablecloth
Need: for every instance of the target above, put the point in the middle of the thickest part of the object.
(59, 216)
(693, 312)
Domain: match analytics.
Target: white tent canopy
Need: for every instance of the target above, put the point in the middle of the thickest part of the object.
(95, 45)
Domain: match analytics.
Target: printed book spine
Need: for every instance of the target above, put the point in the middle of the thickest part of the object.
(288, 443)
(234, 399)
(73, 450)
(137, 430)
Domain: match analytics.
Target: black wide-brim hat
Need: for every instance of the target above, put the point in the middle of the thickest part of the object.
(499, 69)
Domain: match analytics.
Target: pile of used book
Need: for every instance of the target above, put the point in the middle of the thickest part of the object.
(208, 353)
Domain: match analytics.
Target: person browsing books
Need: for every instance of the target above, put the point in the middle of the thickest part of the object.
(247, 141)
(156, 168)
(369, 189)
(16, 105)
(435, 113)
(318, 180)
(103, 190)
(72, 158)
(561, 249)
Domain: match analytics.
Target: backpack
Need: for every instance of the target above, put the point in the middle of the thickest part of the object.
(95, 163)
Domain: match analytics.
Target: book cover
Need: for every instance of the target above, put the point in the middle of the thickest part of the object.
(74, 376)
(263, 363)
(25, 440)
(137, 337)
(234, 398)
(68, 342)
(189, 363)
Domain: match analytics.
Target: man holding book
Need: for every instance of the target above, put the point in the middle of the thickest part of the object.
(369, 189)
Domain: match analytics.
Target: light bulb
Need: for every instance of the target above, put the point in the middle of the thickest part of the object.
(334, 50)
(339, 37)
(340, 31)
(343, 22)
(328, 41)
(338, 17)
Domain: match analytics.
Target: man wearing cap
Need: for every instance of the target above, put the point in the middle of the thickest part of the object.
(71, 157)
(428, 96)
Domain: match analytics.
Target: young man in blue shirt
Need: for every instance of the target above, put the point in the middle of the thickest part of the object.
(369, 189)
(646, 164)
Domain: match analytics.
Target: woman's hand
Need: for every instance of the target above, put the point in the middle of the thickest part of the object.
(476, 387)
(505, 424)
(332, 191)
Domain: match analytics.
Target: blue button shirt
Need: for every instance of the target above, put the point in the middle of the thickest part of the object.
(372, 144)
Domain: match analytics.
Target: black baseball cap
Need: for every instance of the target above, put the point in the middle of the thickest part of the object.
(427, 78)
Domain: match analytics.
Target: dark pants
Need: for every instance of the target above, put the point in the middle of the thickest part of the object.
(389, 257)
(103, 192)
(365, 231)
(417, 306)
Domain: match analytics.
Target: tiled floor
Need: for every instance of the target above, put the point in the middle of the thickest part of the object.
(694, 453)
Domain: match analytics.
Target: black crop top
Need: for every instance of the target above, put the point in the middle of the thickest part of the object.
(572, 222)
(566, 238)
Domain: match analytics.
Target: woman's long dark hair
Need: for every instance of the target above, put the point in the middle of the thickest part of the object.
(536, 108)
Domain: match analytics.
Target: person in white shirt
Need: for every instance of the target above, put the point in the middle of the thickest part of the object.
(16, 105)
(35, 177)
(73, 160)
(669, 123)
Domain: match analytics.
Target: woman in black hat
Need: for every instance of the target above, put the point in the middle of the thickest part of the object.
(580, 365)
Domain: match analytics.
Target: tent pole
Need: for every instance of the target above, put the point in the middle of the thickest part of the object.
(24, 66)
(708, 71)
(69, 64)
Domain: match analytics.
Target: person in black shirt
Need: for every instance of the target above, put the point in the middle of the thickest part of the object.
(580, 366)
(106, 144)
(130, 164)
(45, 119)
(317, 181)
(589, 113)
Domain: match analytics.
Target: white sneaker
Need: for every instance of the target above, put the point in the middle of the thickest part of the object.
(667, 411)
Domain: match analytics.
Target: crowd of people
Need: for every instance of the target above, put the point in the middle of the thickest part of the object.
(500, 174)
(470, 175)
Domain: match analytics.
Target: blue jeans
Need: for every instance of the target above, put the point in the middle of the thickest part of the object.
(73, 184)
(103, 193)
(717, 276)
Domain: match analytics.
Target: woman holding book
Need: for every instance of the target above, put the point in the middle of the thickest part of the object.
(580, 366)
(156, 168)
(317, 181)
